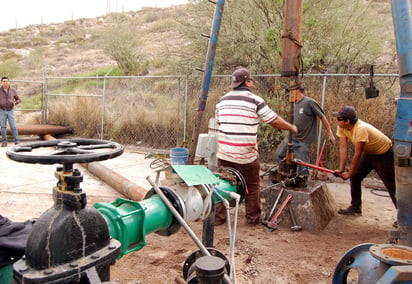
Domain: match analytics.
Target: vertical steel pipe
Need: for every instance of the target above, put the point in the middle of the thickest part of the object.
(401, 13)
(217, 18)
(291, 58)
(291, 38)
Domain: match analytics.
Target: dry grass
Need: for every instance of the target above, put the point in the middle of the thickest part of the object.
(83, 114)
(153, 121)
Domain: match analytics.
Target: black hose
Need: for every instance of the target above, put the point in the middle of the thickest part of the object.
(376, 190)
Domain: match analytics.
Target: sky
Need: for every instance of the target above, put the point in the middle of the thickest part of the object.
(21, 13)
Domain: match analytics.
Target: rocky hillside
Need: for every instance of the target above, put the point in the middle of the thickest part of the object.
(72, 47)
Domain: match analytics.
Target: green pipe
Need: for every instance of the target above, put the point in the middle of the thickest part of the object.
(6, 274)
(130, 221)
(224, 185)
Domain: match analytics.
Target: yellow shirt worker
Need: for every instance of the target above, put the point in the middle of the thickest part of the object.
(373, 151)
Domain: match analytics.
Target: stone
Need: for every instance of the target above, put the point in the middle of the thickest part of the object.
(313, 205)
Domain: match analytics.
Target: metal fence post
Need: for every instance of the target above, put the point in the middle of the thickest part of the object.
(320, 124)
(44, 119)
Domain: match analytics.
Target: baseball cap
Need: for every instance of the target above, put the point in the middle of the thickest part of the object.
(346, 112)
(239, 76)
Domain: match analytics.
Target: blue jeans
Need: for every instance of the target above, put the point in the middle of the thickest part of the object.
(4, 116)
(301, 150)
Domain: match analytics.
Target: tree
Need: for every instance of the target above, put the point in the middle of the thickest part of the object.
(120, 41)
(338, 35)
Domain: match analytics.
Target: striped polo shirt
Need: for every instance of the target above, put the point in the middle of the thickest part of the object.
(238, 113)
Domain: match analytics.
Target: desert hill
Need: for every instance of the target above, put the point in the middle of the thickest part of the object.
(73, 47)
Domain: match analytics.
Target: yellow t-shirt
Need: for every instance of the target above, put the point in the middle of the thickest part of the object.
(376, 142)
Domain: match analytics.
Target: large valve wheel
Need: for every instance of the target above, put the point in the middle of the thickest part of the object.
(65, 151)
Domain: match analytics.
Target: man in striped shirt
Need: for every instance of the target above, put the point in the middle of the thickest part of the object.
(238, 114)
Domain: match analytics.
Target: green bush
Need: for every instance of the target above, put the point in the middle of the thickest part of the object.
(10, 68)
(121, 43)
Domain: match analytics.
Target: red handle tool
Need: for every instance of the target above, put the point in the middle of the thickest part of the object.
(302, 163)
(274, 222)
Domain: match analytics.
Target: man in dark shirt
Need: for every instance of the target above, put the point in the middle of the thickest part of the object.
(306, 111)
(8, 99)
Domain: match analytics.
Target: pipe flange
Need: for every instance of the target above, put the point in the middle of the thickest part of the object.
(189, 267)
(392, 254)
(240, 181)
(357, 258)
(71, 271)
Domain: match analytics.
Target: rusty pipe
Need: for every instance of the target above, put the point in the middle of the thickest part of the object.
(121, 184)
(291, 38)
(41, 129)
(291, 56)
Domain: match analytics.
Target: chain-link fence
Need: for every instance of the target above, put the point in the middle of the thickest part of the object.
(158, 111)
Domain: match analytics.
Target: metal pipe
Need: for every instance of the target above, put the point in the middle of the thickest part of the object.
(402, 137)
(176, 214)
(291, 38)
(121, 184)
(291, 58)
(232, 236)
(182, 221)
(305, 164)
(207, 75)
(130, 222)
(41, 129)
(292, 100)
(320, 124)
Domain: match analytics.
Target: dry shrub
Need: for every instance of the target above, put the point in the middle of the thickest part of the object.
(58, 112)
(83, 114)
(145, 126)
(29, 118)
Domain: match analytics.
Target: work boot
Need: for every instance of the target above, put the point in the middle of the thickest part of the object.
(299, 181)
(351, 211)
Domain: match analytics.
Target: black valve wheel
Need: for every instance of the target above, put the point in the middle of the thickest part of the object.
(65, 151)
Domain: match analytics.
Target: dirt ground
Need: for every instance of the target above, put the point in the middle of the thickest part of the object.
(280, 256)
